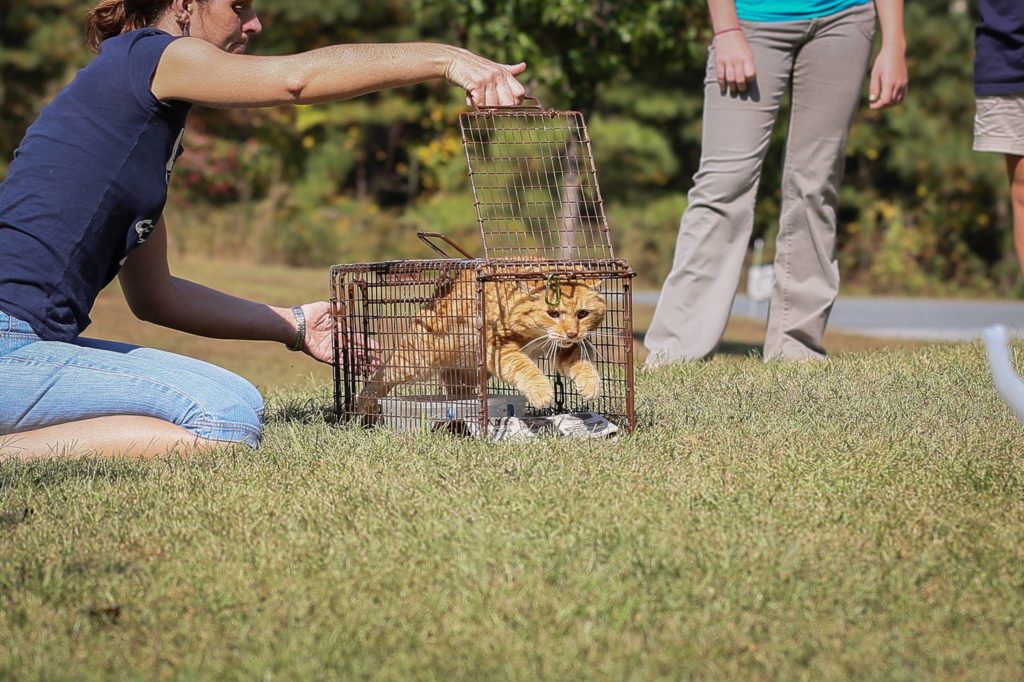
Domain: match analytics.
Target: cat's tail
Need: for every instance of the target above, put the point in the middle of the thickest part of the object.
(1009, 385)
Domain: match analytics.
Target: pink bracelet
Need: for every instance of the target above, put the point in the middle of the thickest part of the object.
(728, 30)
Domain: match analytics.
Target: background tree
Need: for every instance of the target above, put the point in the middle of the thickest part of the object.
(919, 213)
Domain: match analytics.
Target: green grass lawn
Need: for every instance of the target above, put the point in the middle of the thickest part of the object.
(856, 518)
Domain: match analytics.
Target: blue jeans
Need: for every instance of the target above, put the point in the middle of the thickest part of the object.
(44, 383)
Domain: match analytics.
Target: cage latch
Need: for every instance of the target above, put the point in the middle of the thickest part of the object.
(559, 393)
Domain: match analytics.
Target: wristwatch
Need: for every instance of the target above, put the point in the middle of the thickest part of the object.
(300, 329)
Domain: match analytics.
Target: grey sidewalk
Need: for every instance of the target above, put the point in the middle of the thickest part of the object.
(908, 318)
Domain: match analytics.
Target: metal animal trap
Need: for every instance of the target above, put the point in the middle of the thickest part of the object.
(539, 328)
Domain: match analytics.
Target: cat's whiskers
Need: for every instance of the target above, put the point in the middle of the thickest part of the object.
(553, 352)
(607, 333)
(588, 343)
(584, 351)
(607, 338)
(539, 339)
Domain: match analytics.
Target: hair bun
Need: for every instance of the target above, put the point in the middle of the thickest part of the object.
(109, 18)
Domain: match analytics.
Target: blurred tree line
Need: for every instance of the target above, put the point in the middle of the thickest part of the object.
(920, 212)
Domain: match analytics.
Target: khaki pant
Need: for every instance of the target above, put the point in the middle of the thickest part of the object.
(824, 62)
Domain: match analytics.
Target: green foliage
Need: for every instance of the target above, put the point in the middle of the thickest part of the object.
(40, 46)
(632, 157)
(635, 69)
(644, 233)
(342, 230)
(219, 171)
(572, 46)
(452, 214)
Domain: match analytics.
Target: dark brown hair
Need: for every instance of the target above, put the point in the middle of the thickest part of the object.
(109, 18)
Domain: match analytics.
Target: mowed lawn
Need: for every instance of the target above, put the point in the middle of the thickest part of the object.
(860, 518)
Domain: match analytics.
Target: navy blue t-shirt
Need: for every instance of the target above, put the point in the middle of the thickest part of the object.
(999, 48)
(86, 186)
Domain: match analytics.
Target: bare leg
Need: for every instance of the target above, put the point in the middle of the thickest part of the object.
(119, 436)
(1015, 170)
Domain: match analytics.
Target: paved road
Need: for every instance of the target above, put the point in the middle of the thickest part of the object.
(932, 319)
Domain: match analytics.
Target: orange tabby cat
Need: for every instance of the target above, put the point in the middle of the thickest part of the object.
(519, 326)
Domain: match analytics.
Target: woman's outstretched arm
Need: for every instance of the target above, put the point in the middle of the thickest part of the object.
(157, 296)
(194, 70)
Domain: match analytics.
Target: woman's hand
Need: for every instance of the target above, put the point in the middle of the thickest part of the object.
(319, 326)
(487, 83)
(888, 77)
(319, 343)
(734, 62)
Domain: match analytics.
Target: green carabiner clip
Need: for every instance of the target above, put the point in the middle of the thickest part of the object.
(552, 294)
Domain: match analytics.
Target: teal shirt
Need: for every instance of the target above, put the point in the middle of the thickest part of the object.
(791, 10)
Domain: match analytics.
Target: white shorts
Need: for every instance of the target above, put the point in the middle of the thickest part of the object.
(999, 124)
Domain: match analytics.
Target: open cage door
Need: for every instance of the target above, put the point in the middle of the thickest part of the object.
(535, 184)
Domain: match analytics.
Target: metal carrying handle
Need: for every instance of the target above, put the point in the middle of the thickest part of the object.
(529, 103)
(427, 236)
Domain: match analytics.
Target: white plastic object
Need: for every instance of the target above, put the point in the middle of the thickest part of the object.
(1007, 383)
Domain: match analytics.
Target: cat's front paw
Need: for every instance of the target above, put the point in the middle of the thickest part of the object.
(588, 383)
(539, 394)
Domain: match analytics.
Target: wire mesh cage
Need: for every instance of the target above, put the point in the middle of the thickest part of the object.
(540, 327)
(534, 184)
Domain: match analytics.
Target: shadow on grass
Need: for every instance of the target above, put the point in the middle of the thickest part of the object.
(730, 348)
(740, 349)
(61, 470)
(307, 411)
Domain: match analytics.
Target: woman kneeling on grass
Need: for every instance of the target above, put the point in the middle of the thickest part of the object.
(83, 202)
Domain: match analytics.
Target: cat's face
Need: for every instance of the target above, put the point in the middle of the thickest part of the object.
(577, 311)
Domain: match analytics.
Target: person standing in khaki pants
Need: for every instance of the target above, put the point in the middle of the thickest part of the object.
(819, 49)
